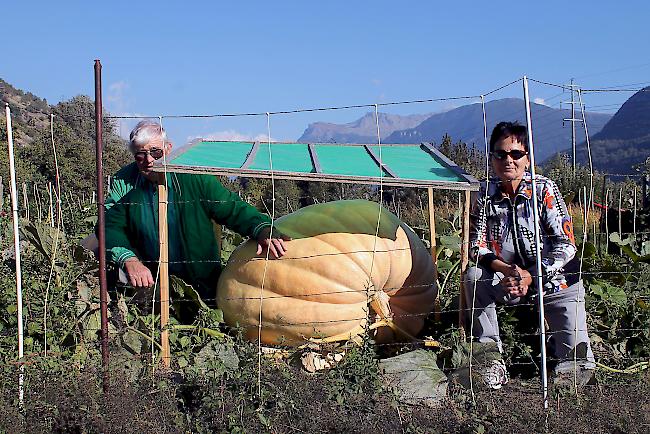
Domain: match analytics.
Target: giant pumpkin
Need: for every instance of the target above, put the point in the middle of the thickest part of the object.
(336, 275)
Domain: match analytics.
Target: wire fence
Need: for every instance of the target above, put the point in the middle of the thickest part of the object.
(602, 295)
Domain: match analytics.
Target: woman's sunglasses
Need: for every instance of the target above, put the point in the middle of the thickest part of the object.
(515, 154)
(155, 153)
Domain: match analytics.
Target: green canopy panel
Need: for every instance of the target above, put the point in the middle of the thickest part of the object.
(414, 165)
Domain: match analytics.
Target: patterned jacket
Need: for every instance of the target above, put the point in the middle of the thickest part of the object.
(504, 229)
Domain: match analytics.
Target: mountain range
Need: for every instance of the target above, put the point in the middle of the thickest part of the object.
(363, 130)
(550, 133)
(624, 142)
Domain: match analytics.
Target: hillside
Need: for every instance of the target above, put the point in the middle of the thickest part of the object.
(466, 124)
(363, 130)
(463, 123)
(74, 136)
(624, 142)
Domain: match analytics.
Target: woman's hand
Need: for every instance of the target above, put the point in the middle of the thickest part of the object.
(276, 245)
(516, 281)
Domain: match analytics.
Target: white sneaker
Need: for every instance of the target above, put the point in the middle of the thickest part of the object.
(495, 374)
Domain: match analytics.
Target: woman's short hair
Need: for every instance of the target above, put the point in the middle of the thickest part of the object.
(146, 131)
(509, 129)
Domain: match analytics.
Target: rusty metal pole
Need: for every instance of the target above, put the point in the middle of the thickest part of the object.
(103, 285)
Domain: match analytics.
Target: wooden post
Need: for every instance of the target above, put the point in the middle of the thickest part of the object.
(606, 221)
(25, 201)
(434, 256)
(464, 261)
(164, 273)
(603, 199)
(38, 210)
(634, 216)
(620, 218)
(51, 208)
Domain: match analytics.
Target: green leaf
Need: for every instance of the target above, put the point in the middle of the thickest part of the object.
(444, 265)
(33, 328)
(185, 290)
(263, 419)
(91, 325)
(221, 352)
(132, 341)
(596, 289)
(185, 341)
(216, 316)
(616, 295)
(451, 242)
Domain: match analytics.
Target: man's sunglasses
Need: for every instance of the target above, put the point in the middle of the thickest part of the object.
(155, 153)
(515, 154)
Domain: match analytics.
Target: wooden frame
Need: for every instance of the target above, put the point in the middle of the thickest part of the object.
(470, 184)
(464, 262)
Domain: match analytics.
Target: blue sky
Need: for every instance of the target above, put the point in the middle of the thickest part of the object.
(221, 57)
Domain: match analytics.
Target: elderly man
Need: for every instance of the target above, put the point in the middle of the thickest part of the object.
(195, 202)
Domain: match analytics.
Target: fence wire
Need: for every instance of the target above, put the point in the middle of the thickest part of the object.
(36, 204)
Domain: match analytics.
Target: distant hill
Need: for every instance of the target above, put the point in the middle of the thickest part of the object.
(74, 136)
(466, 123)
(363, 130)
(624, 141)
(463, 123)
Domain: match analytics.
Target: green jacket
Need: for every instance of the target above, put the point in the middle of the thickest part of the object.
(195, 201)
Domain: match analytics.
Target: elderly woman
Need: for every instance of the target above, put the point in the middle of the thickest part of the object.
(502, 243)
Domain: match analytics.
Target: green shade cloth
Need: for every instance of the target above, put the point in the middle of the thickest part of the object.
(408, 165)
(214, 154)
(410, 162)
(347, 160)
(287, 157)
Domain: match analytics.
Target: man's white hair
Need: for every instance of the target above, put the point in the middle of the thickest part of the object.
(146, 131)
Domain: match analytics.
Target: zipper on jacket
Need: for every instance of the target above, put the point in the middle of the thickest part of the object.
(515, 231)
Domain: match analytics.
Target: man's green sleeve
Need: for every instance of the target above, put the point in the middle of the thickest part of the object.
(117, 241)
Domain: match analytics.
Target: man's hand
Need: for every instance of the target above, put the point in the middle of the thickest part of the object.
(516, 281)
(139, 275)
(276, 245)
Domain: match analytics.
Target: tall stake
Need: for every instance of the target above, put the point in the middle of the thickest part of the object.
(103, 285)
(607, 221)
(603, 200)
(433, 248)
(51, 209)
(538, 245)
(620, 218)
(464, 262)
(26, 201)
(19, 281)
(634, 216)
(164, 272)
